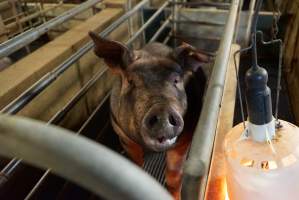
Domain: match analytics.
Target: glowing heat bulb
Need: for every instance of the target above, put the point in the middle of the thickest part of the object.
(262, 170)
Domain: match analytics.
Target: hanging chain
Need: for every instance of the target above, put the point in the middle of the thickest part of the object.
(276, 17)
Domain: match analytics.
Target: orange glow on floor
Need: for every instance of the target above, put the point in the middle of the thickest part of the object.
(217, 189)
(225, 190)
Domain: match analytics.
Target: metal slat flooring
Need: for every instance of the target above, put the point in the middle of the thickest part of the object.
(155, 164)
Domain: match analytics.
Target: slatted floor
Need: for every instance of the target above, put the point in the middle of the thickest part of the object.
(155, 164)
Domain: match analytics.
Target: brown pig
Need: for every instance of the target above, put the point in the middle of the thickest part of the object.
(149, 100)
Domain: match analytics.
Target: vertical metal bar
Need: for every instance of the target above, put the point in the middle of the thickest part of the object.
(174, 24)
(249, 24)
(18, 22)
(159, 31)
(197, 165)
(130, 21)
(142, 24)
(148, 22)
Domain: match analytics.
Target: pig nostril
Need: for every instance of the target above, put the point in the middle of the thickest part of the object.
(152, 121)
(172, 120)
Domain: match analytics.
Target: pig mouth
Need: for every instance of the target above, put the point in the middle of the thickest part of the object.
(160, 143)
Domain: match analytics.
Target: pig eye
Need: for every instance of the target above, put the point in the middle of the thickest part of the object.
(175, 79)
(131, 82)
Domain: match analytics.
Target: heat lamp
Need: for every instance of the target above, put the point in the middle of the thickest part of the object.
(262, 153)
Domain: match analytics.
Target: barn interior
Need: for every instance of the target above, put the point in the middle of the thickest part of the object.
(49, 73)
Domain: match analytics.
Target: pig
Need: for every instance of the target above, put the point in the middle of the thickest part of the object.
(148, 101)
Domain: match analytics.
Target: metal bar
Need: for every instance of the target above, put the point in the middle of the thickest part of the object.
(130, 22)
(39, 86)
(27, 37)
(142, 23)
(174, 13)
(58, 149)
(249, 24)
(165, 41)
(160, 30)
(46, 80)
(197, 22)
(204, 4)
(148, 22)
(197, 165)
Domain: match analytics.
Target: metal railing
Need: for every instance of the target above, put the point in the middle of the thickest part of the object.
(110, 175)
(27, 37)
(196, 168)
(42, 84)
(45, 81)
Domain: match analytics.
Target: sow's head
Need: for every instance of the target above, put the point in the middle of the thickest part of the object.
(149, 99)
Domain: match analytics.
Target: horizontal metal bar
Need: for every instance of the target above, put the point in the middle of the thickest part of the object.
(197, 22)
(160, 30)
(148, 22)
(27, 37)
(204, 4)
(76, 158)
(197, 165)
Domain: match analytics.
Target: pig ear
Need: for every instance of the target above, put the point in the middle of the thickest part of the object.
(116, 55)
(189, 58)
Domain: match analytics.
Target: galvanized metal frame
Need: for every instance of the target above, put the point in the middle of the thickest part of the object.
(197, 164)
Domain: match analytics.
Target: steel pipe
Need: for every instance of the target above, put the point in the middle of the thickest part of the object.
(78, 159)
(160, 30)
(204, 4)
(250, 18)
(148, 22)
(27, 37)
(196, 168)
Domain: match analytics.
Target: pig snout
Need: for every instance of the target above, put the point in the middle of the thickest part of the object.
(161, 126)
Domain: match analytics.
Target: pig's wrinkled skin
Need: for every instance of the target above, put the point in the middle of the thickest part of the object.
(149, 100)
